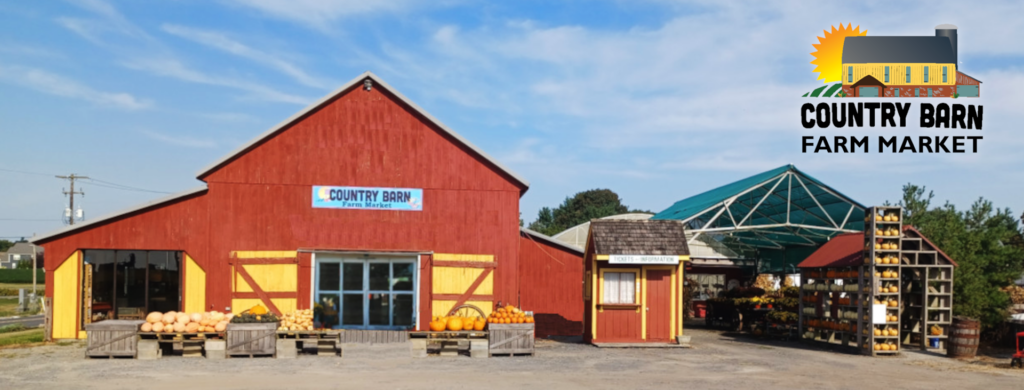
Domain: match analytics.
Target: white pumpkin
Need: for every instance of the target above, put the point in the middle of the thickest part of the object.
(147, 327)
(169, 318)
(196, 317)
(158, 327)
(183, 319)
(221, 326)
(154, 317)
(179, 327)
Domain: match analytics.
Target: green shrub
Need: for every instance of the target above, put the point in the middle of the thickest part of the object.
(12, 328)
(21, 276)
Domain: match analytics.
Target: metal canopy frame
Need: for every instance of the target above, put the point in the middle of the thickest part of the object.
(785, 209)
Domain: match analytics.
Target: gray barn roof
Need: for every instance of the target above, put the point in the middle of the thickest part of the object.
(872, 50)
(638, 237)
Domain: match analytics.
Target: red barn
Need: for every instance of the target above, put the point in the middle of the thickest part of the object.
(362, 203)
(551, 284)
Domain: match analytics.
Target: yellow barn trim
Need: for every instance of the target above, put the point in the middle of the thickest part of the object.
(264, 254)
(462, 257)
(66, 285)
(195, 286)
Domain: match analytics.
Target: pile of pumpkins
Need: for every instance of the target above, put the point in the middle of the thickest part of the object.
(888, 331)
(886, 346)
(175, 322)
(891, 288)
(887, 246)
(887, 274)
(509, 315)
(297, 320)
(887, 232)
(891, 217)
(935, 330)
(455, 324)
(890, 259)
(889, 303)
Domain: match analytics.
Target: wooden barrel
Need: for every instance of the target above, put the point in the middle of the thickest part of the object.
(963, 338)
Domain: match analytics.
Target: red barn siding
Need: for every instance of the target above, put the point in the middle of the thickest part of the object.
(262, 199)
(551, 286)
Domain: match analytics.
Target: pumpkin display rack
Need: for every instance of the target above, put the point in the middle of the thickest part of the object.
(858, 305)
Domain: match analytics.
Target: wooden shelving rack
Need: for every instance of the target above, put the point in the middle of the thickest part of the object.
(877, 281)
(929, 294)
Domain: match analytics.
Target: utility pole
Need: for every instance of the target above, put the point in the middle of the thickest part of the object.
(71, 194)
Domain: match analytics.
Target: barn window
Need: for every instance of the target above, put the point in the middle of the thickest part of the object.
(908, 74)
(944, 75)
(887, 74)
(708, 286)
(849, 71)
(619, 288)
(128, 284)
(365, 293)
(926, 74)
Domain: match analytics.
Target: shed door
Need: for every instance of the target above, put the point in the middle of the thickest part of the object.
(659, 305)
(868, 91)
(967, 90)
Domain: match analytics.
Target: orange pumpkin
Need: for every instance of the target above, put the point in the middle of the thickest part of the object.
(468, 323)
(529, 320)
(455, 324)
(479, 324)
(436, 326)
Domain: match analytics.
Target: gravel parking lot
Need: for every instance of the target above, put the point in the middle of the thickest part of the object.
(717, 361)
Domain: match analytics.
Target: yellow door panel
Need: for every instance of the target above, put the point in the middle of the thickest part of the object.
(65, 298)
(270, 277)
(450, 280)
(266, 254)
(441, 308)
(460, 257)
(195, 286)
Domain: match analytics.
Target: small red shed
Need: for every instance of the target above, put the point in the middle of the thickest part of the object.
(634, 281)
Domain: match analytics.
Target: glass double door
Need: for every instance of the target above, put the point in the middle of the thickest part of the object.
(367, 293)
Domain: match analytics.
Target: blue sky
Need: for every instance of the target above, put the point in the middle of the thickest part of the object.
(657, 100)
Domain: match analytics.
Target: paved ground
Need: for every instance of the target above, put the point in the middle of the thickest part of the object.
(717, 361)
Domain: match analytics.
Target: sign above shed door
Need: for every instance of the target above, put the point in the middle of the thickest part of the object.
(642, 259)
(368, 198)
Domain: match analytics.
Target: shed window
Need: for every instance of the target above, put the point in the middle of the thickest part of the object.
(708, 286)
(908, 74)
(365, 292)
(945, 76)
(926, 74)
(887, 74)
(849, 74)
(619, 288)
(120, 284)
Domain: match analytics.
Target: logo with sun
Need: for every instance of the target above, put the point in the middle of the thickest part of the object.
(828, 56)
(828, 60)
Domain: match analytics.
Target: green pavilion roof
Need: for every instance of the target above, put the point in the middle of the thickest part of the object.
(783, 213)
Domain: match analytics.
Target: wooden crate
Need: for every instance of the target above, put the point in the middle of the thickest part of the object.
(511, 339)
(112, 338)
(252, 339)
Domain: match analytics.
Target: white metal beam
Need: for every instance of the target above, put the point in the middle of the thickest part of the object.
(852, 206)
(815, 199)
(761, 201)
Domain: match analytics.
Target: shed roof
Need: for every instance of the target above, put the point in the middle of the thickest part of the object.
(357, 83)
(638, 237)
(846, 250)
(549, 240)
(873, 50)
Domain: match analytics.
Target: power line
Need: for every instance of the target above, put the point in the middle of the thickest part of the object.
(27, 219)
(107, 184)
(25, 172)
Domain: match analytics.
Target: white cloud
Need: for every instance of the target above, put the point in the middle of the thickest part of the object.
(321, 14)
(221, 42)
(53, 84)
(173, 68)
(177, 140)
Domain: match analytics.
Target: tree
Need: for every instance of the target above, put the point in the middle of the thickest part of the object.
(984, 241)
(580, 208)
(5, 245)
(24, 264)
(545, 222)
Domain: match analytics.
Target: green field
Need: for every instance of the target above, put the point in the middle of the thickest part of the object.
(9, 307)
(23, 337)
(27, 286)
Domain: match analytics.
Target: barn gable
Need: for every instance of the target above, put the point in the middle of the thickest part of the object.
(364, 128)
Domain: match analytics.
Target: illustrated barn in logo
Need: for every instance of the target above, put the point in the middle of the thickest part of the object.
(891, 66)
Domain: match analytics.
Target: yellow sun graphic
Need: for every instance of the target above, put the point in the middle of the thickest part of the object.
(829, 56)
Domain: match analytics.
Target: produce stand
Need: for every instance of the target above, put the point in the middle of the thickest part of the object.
(251, 339)
(184, 344)
(511, 339)
(112, 338)
(313, 342)
(449, 343)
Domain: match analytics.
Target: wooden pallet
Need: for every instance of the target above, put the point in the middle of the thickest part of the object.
(177, 337)
(449, 343)
(320, 343)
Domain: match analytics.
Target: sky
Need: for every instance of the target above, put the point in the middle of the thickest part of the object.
(656, 100)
